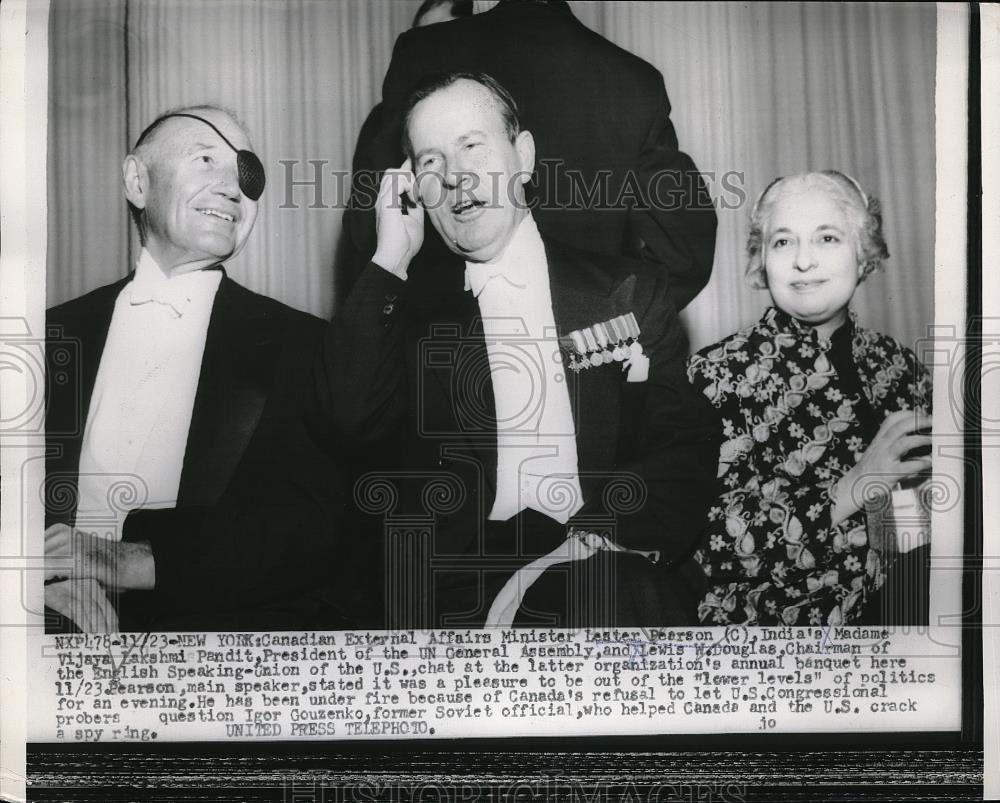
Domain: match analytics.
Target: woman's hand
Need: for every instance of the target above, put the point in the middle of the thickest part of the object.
(883, 465)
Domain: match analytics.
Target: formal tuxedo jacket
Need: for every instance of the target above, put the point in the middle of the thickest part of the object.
(404, 381)
(251, 540)
(610, 176)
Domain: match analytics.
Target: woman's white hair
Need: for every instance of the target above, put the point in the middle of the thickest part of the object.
(862, 210)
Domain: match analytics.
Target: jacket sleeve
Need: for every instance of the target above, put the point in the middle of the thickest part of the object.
(675, 225)
(234, 556)
(378, 149)
(357, 395)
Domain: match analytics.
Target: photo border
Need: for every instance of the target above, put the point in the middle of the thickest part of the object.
(885, 766)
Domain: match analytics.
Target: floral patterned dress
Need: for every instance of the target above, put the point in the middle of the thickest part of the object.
(792, 427)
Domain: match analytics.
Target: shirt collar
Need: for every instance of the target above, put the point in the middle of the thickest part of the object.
(517, 266)
(151, 287)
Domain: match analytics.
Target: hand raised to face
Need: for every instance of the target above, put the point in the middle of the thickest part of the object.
(399, 221)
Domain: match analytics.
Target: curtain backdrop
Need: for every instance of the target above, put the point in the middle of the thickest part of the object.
(757, 89)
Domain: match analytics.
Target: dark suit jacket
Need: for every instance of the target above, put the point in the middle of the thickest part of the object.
(404, 375)
(251, 541)
(594, 109)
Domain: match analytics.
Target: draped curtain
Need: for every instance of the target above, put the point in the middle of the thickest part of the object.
(757, 89)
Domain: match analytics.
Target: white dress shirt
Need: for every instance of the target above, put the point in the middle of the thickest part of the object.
(140, 409)
(536, 439)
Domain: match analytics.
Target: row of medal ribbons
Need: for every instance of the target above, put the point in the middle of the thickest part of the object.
(614, 340)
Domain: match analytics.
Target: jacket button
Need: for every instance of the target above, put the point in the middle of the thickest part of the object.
(388, 309)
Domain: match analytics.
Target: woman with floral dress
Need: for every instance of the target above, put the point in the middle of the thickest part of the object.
(818, 415)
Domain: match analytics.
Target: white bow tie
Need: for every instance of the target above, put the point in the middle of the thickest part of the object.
(478, 276)
(177, 300)
(176, 293)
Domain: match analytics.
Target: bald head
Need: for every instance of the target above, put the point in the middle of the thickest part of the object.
(153, 135)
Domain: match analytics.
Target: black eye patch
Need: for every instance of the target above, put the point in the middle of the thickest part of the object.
(248, 167)
(251, 171)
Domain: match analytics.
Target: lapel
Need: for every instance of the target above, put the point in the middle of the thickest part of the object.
(584, 294)
(454, 361)
(73, 349)
(92, 335)
(240, 350)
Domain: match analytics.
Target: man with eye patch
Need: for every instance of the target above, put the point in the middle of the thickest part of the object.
(182, 492)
